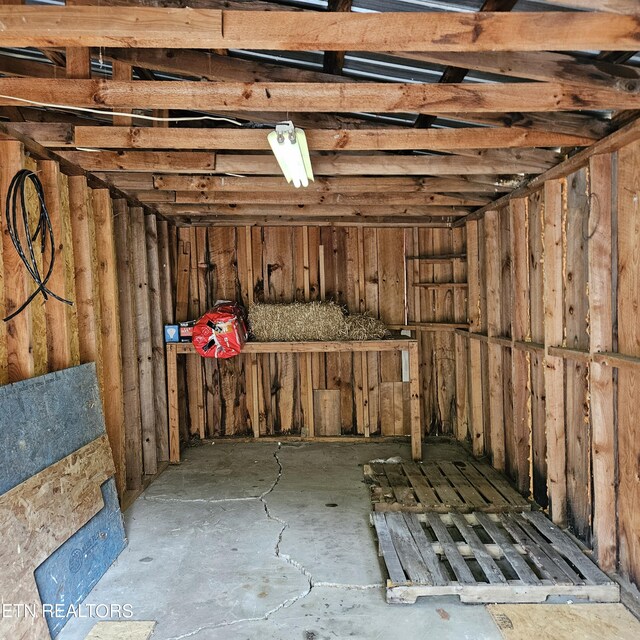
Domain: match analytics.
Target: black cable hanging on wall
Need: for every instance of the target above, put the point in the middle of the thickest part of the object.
(17, 189)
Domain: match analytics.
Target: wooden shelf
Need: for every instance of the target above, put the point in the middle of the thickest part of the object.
(450, 257)
(441, 285)
(175, 349)
(434, 326)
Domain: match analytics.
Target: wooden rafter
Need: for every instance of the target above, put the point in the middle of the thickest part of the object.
(64, 135)
(312, 97)
(334, 60)
(477, 186)
(456, 74)
(281, 30)
(291, 196)
(329, 164)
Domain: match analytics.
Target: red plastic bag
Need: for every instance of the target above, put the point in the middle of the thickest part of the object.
(221, 332)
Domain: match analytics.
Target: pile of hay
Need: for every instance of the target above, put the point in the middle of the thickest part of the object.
(308, 321)
(362, 326)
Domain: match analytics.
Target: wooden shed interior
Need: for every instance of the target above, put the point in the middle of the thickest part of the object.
(477, 187)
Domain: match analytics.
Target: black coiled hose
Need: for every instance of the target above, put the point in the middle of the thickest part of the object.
(16, 199)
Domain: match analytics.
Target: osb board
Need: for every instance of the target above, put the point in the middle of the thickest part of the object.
(122, 630)
(38, 516)
(565, 621)
(460, 485)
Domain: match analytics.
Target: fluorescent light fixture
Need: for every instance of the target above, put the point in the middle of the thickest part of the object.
(289, 146)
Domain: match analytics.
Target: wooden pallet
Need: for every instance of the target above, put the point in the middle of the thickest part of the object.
(480, 557)
(442, 487)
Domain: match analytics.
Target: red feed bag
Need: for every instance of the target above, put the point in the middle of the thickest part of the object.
(221, 332)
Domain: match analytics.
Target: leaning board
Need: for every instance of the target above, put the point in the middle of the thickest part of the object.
(480, 557)
(460, 486)
(45, 424)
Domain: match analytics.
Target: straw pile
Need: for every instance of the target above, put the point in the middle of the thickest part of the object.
(308, 321)
(362, 326)
(296, 322)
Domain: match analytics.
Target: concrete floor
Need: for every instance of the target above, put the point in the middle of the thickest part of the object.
(258, 540)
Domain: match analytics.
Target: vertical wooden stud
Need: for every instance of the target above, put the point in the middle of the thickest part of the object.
(143, 331)
(554, 366)
(110, 331)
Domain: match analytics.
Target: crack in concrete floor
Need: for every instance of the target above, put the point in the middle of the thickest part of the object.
(285, 557)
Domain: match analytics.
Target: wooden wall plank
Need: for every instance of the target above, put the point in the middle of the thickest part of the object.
(520, 330)
(157, 339)
(536, 297)
(143, 331)
(494, 301)
(113, 398)
(576, 313)
(476, 413)
(84, 250)
(58, 329)
(16, 359)
(603, 434)
(554, 366)
(628, 296)
(129, 346)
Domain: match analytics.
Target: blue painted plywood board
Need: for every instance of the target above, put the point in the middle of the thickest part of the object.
(42, 421)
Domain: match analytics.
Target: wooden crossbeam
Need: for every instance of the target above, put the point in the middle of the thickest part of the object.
(288, 221)
(544, 66)
(281, 30)
(290, 196)
(318, 139)
(336, 164)
(311, 97)
(475, 185)
(310, 211)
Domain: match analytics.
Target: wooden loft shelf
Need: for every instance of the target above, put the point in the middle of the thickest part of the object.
(441, 285)
(450, 257)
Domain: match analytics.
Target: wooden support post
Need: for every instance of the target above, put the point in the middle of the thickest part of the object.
(553, 365)
(16, 357)
(113, 397)
(520, 331)
(475, 356)
(600, 376)
(494, 303)
(414, 389)
(143, 330)
(59, 348)
(157, 339)
(129, 346)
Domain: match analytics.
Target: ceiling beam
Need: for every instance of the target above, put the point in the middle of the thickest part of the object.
(310, 211)
(311, 97)
(295, 197)
(336, 164)
(334, 60)
(544, 66)
(614, 6)
(292, 221)
(318, 139)
(456, 74)
(475, 185)
(301, 31)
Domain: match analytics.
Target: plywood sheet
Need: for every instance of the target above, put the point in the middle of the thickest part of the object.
(565, 621)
